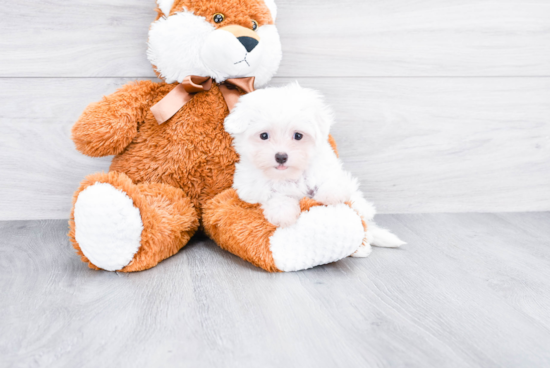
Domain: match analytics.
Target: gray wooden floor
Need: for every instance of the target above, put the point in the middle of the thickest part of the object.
(470, 290)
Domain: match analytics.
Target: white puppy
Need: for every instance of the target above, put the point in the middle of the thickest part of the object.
(282, 137)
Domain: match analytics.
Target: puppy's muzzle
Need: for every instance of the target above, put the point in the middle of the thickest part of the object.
(247, 37)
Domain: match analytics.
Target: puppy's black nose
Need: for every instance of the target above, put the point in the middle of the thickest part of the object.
(248, 42)
(281, 158)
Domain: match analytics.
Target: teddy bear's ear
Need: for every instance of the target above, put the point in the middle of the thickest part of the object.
(324, 119)
(272, 8)
(165, 6)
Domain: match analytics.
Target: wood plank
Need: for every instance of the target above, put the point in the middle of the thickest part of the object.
(320, 38)
(470, 290)
(445, 144)
(417, 144)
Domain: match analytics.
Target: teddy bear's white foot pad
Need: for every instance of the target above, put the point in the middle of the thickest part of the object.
(108, 226)
(320, 236)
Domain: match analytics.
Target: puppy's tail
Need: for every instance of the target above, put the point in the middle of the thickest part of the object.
(384, 238)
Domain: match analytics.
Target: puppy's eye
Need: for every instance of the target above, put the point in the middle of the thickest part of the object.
(254, 25)
(264, 136)
(218, 18)
(298, 136)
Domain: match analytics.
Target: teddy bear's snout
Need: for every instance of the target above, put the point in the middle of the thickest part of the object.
(249, 43)
(247, 37)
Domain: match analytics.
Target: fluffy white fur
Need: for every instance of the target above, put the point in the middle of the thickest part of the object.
(312, 168)
(312, 241)
(108, 226)
(186, 44)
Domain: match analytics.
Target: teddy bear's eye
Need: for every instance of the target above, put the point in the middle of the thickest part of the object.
(218, 18)
(298, 136)
(264, 136)
(254, 25)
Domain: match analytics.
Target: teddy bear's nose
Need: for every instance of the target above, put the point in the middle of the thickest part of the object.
(249, 43)
(281, 158)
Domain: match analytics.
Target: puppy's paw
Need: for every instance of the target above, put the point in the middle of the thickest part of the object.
(337, 190)
(362, 206)
(365, 249)
(282, 211)
(331, 194)
(331, 198)
(281, 222)
(363, 252)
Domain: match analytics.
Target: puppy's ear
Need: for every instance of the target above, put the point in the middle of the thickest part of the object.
(324, 119)
(323, 116)
(165, 6)
(272, 8)
(238, 120)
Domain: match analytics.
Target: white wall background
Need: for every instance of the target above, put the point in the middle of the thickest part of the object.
(443, 105)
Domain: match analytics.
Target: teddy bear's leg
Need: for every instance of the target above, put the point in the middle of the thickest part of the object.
(322, 234)
(117, 225)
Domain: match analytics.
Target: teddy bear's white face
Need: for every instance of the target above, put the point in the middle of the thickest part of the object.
(229, 43)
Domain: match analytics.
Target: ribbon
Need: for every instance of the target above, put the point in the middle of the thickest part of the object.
(231, 90)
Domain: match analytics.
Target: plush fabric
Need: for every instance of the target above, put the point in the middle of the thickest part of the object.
(236, 12)
(190, 42)
(108, 226)
(223, 220)
(177, 176)
(169, 219)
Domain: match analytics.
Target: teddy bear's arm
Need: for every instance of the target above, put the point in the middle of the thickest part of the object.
(107, 127)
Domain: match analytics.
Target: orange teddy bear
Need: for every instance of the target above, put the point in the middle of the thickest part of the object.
(174, 162)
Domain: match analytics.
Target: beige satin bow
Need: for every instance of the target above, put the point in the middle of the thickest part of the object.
(231, 90)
